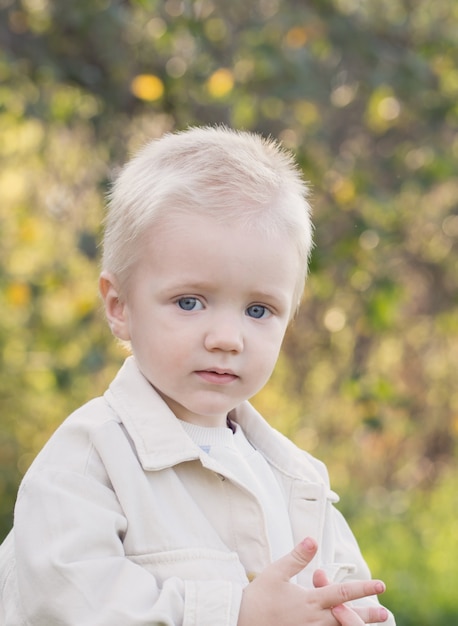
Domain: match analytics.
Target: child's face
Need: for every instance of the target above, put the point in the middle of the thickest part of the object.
(206, 310)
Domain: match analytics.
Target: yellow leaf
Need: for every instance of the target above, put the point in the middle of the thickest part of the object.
(18, 294)
(147, 87)
(296, 37)
(220, 83)
(343, 190)
(383, 109)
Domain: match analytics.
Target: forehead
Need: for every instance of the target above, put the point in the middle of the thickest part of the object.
(197, 248)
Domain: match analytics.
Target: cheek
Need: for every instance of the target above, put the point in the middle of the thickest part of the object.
(267, 354)
(169, 349)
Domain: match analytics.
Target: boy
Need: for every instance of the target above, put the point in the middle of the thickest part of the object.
(170, 500)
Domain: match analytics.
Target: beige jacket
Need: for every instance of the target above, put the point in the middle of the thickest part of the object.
(123, 521)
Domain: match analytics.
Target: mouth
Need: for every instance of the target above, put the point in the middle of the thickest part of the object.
(217, 376)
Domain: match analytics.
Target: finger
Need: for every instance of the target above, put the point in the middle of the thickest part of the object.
(319, 578)
(294, 562)
(335, 594)
(371, 614)
(346, 616)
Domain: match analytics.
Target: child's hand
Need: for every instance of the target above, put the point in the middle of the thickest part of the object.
(342, 612)
(271, 599)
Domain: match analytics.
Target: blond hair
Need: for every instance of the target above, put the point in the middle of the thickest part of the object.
(227, 175)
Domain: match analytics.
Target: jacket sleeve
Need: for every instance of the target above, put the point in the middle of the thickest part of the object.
(71, 568)
(353, 566)
(341, 556)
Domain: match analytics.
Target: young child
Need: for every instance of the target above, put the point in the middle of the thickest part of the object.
(169, 500)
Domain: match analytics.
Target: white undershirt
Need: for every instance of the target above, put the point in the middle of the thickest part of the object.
(235, 453)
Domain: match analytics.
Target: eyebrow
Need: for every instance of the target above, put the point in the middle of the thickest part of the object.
(268, 295)
(191, 285)
(210, 286)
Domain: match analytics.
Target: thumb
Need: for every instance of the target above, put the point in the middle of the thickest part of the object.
(294, 562)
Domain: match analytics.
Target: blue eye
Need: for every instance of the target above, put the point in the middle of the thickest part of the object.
(258, 311)
(190, 304)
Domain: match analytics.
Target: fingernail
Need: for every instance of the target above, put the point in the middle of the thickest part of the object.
(309, 544)
(383, 614)
(379, 587)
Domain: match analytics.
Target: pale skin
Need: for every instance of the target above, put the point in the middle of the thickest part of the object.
(206, 333)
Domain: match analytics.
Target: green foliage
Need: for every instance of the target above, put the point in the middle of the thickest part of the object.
(366, 94)
(420, 529)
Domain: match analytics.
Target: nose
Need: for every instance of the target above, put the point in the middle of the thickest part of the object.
(225, 334)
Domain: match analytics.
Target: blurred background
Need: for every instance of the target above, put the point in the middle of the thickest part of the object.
(366, 95)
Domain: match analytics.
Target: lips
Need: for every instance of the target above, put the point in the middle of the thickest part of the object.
(217, 376)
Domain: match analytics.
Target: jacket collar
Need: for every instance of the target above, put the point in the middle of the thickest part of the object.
(158, 438)
(161, 442)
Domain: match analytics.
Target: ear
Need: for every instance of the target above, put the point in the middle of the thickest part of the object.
(115, 306)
